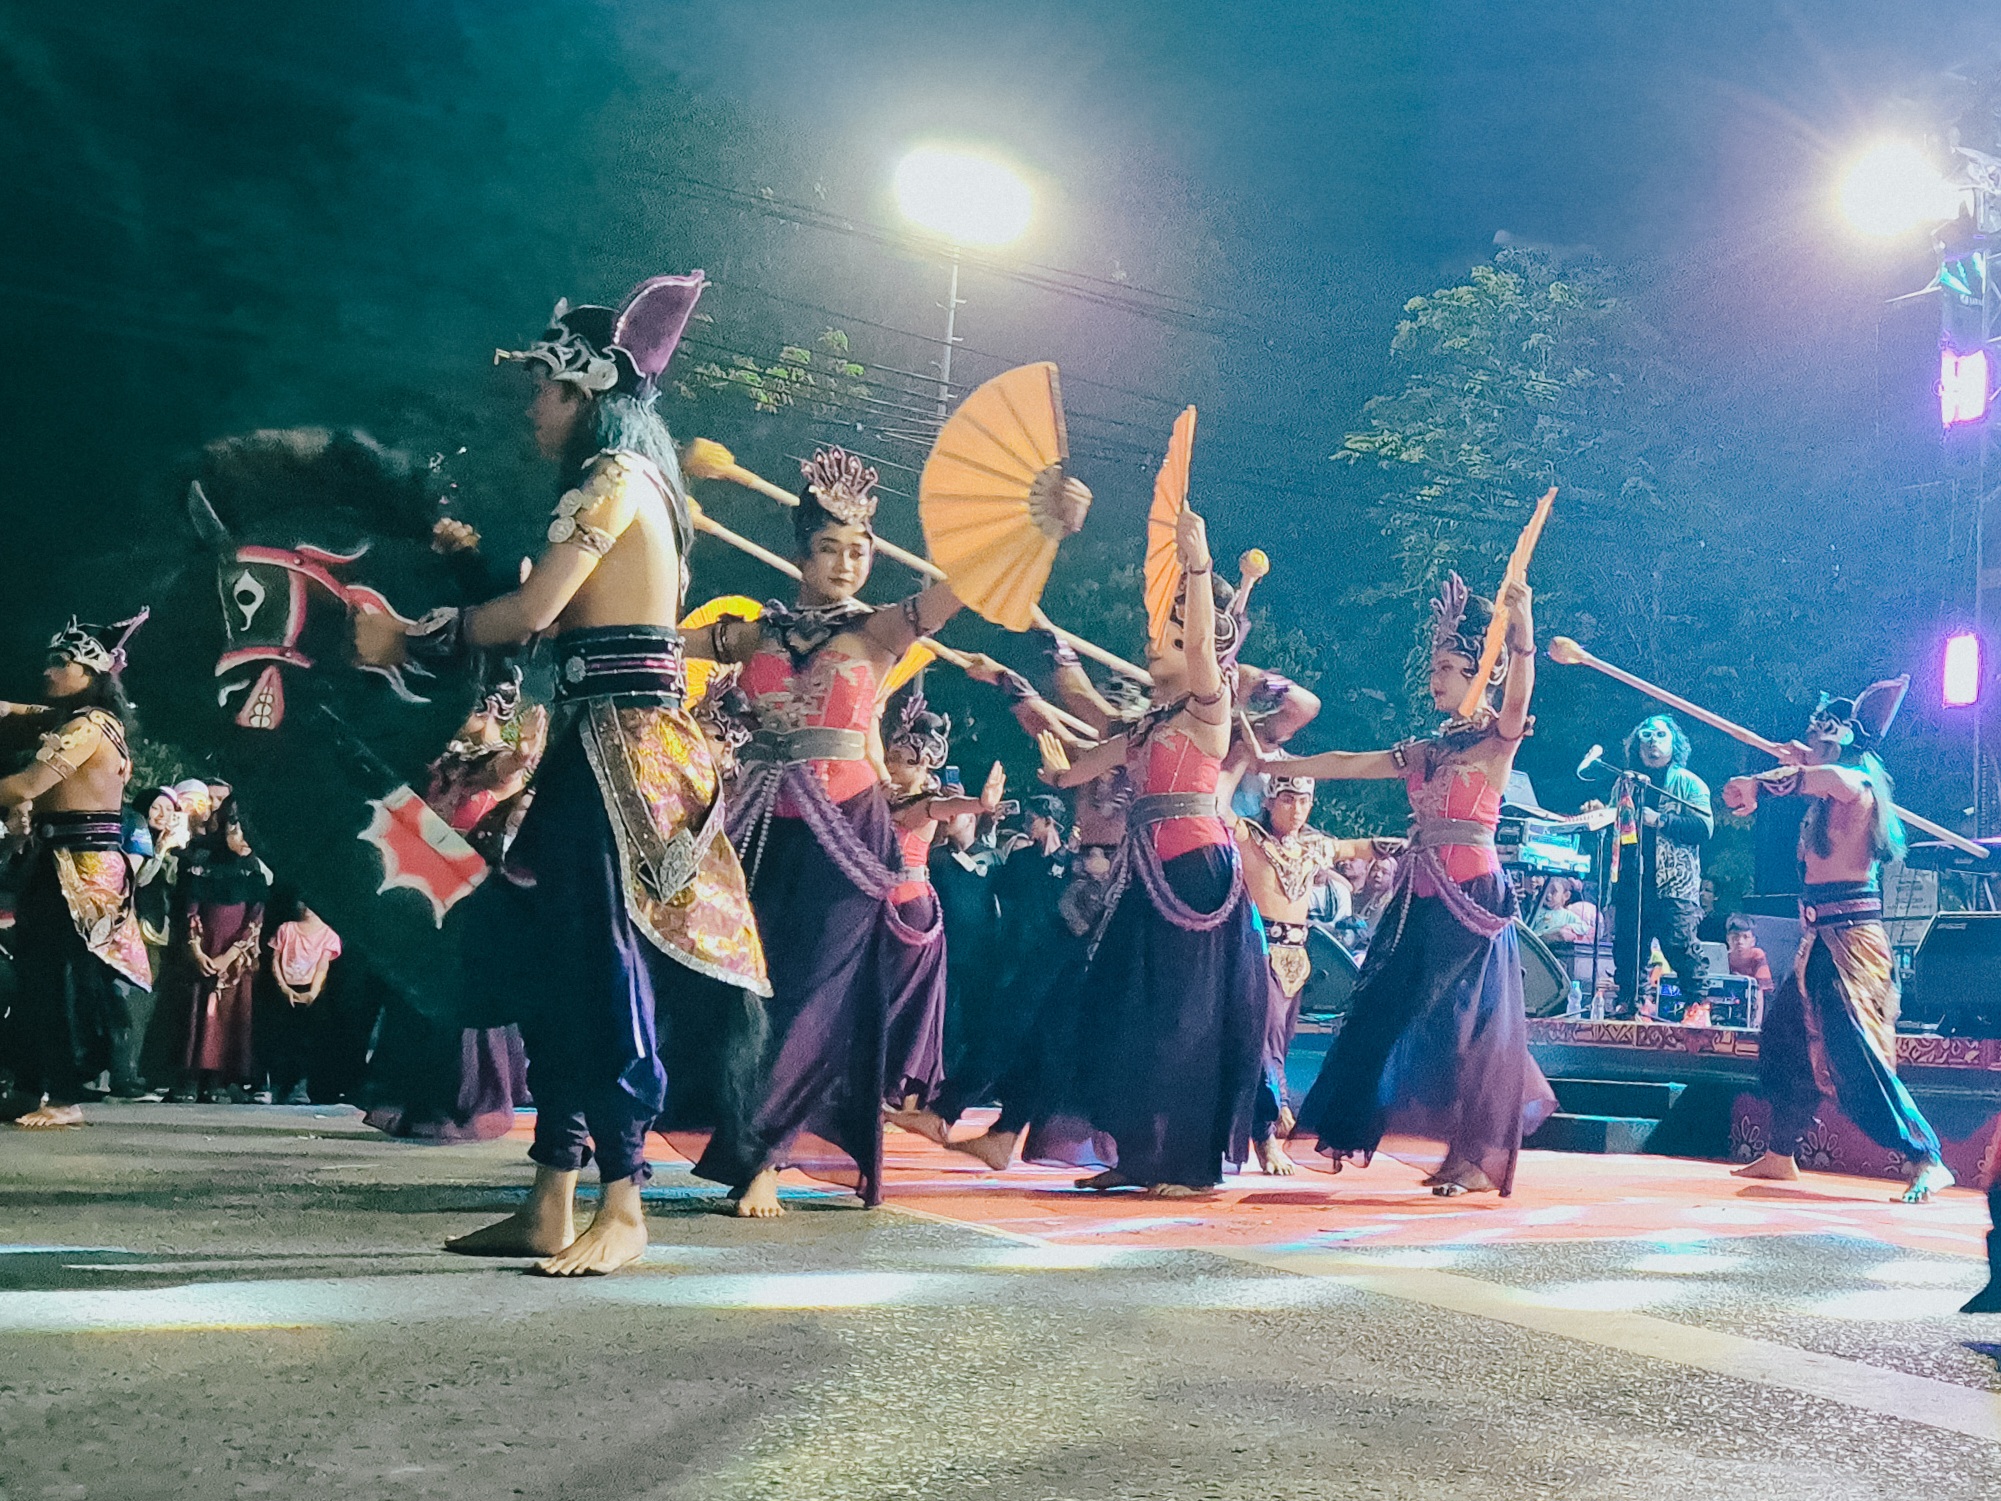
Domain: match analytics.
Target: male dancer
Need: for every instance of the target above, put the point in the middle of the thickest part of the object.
(1831, 1027)
(1662, 899)
(618, 901)
(82, 955)
(1283, 859)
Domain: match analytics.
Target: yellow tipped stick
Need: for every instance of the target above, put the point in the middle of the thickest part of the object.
(1570, 654)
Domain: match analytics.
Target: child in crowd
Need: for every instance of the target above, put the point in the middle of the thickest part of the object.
(302, 952)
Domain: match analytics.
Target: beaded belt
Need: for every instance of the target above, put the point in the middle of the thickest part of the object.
(637, 666)
(814, 743)
(1290, 935)
(1846, 904)
(81, 831)
(1156, 807)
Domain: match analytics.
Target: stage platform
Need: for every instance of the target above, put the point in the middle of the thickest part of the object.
(1955, 1080)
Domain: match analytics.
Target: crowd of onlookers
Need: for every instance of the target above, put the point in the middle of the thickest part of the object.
(1569, 923)
(237, 963)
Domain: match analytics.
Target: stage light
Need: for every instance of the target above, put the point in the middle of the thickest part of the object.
(1893, 189)
(1962, 386)
(1961, 677)
(968, 198)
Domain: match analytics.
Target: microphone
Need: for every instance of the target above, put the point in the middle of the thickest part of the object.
(1591, 758)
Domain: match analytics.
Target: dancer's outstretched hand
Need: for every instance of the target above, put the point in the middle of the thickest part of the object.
(996, 787)
(1191, 541)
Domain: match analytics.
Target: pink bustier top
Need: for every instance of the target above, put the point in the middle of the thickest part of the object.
(1173, 763)
(1462, 793)
(835, 691)
(916, 846)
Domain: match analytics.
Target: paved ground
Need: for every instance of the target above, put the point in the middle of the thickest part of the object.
(207, 1302)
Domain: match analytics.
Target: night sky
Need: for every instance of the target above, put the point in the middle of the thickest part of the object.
(245, 215)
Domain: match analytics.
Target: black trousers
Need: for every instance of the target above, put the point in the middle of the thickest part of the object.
(75, 1016)
(1666, 919)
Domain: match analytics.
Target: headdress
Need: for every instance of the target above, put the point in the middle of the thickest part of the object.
(1866, 718)
(1275, 785)
(842, 484)
(926, 735)
(1048, 805)
(96, 646)
(1448, 621)
(503, 699)
(603, 349)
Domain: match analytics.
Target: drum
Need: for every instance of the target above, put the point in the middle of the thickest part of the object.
(1334, 974)
(1545, 979)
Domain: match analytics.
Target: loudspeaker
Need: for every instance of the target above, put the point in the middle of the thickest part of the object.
(1335, 971)
(1545, 979)
(1956, 977)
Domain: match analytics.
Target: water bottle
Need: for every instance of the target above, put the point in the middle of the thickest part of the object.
(1574, 1007)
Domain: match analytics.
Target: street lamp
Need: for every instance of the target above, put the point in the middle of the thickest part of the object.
(969, 199)
(1894, 189)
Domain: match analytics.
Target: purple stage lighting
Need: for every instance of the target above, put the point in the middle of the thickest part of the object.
(1962, 670)
(1962, 386)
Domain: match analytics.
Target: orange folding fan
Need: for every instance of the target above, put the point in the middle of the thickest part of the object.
(700, 669)
(1170, 495)
(986, 491)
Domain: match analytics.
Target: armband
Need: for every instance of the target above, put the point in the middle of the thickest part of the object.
(439, 636)
(1015, 688)
(1784, 783)
(1062, 654)
(595, 514)
(65, 750)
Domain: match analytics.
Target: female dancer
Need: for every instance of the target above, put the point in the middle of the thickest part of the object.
(1433, 1064)
(914, 754)
(816, 832)
(1172, 1022)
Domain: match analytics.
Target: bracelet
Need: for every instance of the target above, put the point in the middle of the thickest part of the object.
(1209, 567)
(439, 636)
(1063, 654)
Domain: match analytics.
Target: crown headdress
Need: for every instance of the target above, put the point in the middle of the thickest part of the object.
(930, 742)
(1274, 785)
(1448, 620)
(842, 484)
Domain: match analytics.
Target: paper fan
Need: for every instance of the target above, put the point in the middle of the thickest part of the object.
(1170, 495)
(701, 669)
(913, 662)
(986, 494)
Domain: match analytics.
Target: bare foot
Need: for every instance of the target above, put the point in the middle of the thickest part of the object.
(1173, 1191)
(1286, 1121)
(994, 1148)
(541, 1227)
(1272, 1158)
(50, 1118)
(616, 1238)
(925, 1123)
(1109, 1179)
(1772, 1166)
(1927, 1178)
(759, 1199)
(1454, 1179)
